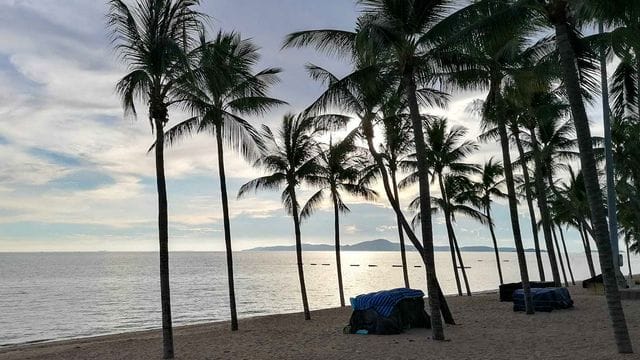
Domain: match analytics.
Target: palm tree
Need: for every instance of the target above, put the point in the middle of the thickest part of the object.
(152, 38)
(513, 111)
(551, 145)
(558, 14)
(402, 29)
(362, 93)
(570, 204)
(395, 150)
(446, 150)
(339, 172)
(222, 90)
(460, 192)
(490, 51)
(626, 153)
(491, 184)
(608, 148)
(291, 158)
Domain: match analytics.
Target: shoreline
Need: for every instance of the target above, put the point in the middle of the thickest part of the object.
(175, 327)
(487, 328)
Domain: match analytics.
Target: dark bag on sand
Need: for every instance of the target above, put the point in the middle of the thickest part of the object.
(506, 290)
(407, 313)
(547, 299)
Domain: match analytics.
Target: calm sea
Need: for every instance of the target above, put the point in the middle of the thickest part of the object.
(51, 296)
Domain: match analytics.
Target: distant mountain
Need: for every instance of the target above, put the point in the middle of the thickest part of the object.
(377, 245)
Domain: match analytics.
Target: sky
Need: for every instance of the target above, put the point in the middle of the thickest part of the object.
(75, 174)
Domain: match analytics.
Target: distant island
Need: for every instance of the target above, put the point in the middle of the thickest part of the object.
(377, 245)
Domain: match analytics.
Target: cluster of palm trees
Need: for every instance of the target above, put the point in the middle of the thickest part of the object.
(407, 56)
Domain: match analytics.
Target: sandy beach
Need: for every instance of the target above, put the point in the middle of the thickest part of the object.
(487, 329)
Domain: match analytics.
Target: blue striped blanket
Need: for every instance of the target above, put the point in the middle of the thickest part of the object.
(383, 302)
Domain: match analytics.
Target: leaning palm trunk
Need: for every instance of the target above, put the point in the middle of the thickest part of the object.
(462, 268)
(529, 196)
(629, 264)
(437, 302)
(453, 248)
(495, 243)
(227, 229)
(541, 199)
(336, 214)
(163, 230)
(296, 225)
(566, 255)
(423, 186)
(587, 250)
(403, 254)
(555, 240)
(609, 163)
(594, 193)
(511, 193)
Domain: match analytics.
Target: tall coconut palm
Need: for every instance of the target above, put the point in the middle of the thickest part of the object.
(529, 195)
(224, 88)
(609, 165)
(460, 198)
(512, 112)
(491, 185)
(446, 151)
(493, 54)
(551, 145)
(290, 156)
(626, 152)
(339, 173)
(570, 204)
(403, 29)
(559, 15)
(362, 93)
(535, 106)
(397, 146)
(152, 37)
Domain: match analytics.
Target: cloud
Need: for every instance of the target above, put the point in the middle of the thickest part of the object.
(75, 174)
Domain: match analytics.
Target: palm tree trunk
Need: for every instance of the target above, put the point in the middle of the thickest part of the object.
(541, 199)
(566, 255)
(227, 229)
(529, 196)
(423, 185)
(296, 225)
(594, 193)
(336, 229)
(403, 254)
(637, 56)
(555, 240)
(163, 232)
(629, 264)
(494, 95)
(609, 163)
(495, 244)
(437, 302)
(587, 250)
(464, 271)
(452, 248)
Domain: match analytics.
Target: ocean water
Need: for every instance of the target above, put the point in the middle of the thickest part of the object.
(52, 296)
